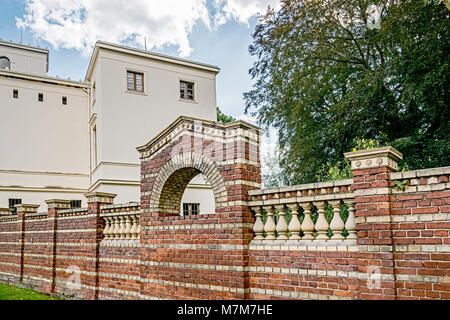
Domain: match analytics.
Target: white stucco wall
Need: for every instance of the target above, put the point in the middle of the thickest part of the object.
(25, 59)
(44, 145)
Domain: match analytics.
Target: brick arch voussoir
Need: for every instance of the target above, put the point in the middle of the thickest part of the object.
(197, 161)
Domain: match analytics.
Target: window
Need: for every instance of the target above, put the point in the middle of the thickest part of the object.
(186, 90)
(12, 204)
(191, 209)
(64, 100)
(75, 204)
(40, 97)
(135, 81)
(16, 94)
(5, 64)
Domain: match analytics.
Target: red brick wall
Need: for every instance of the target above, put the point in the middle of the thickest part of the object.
(402, 250)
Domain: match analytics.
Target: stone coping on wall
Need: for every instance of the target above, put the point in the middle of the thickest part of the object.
(300, 187)
(120, 205)
(309, 192)
(420, 173)
(423, 180)
(74, 210)
(37, 215)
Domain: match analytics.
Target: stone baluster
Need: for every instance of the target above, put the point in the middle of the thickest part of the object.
(133, 231)
(116, 234)
(294, 226)
(258, 227)
(350, 224)
(282, 226)
(307, 224)
(127, 231)
(107, 231)
(138, 231)
(336, 224)
(321, 223)
(122, 233)
(269, 226)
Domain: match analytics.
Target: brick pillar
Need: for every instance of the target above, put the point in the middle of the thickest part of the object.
(371, 169)
(54, 205)
(95, 200)
(22, 210)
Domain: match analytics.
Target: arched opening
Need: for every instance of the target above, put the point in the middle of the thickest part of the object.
(188, 178)
(198, 197)
(5, 64)
(186, 192)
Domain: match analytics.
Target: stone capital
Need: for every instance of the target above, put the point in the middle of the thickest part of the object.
(101, 197)
(374, 158)
(58, 204)
(28, 208)
(5, 211)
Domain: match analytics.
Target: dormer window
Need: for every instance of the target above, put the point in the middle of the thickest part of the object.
(5, 64)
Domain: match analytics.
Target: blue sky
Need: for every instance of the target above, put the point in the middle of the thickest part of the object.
(217, 32)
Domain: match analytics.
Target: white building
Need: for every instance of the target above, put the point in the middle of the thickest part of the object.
(62, 138)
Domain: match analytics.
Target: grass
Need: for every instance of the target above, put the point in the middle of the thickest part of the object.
(16, 293)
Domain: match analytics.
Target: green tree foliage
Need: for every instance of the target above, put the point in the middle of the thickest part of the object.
(221, 117)
(325, 75)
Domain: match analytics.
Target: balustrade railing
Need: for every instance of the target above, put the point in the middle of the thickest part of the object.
(121, 226)
(121, 222)
(319, 211)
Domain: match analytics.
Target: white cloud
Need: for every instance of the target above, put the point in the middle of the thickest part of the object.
(242, 10)
(77, 24)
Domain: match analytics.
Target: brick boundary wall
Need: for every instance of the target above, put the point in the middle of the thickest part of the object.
(395, 243)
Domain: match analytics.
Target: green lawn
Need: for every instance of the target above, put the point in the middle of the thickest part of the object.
(15, 293)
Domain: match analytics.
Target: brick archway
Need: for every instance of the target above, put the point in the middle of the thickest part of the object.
(174, 177)
(201, 256)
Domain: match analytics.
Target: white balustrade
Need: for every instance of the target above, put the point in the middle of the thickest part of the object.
(282, 226)
(294, 225)
(350, 224)
(307, 229)
(269, 226)
(336, 224)
(121, 226)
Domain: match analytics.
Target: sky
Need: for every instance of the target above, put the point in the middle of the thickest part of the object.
(216, 32)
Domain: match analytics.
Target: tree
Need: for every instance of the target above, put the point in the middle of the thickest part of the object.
(221, 117)
(330, 71)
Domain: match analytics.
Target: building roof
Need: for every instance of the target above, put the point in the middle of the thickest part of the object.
(22, 46)
(146, 54)
(43, 79)
(28, 47)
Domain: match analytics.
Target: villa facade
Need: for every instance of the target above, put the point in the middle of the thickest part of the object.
(62, 138)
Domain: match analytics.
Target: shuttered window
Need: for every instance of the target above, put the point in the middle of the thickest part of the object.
(135, 81)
